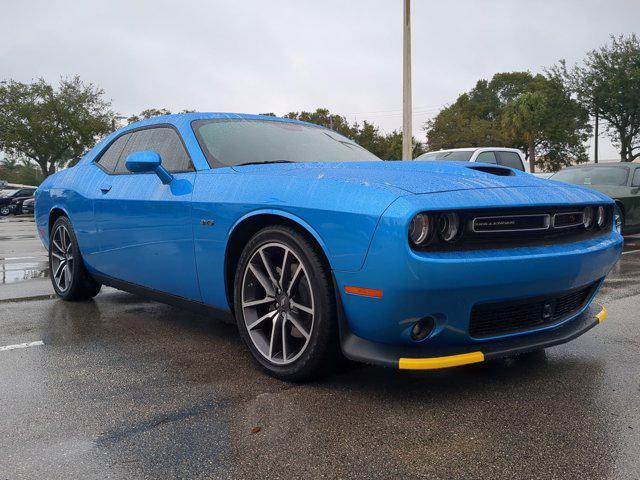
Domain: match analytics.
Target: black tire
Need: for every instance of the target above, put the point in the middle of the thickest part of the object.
(320, 350)
(79, 284)
(4, 210)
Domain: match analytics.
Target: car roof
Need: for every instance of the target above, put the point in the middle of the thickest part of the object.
(190, 117)
(473, 149)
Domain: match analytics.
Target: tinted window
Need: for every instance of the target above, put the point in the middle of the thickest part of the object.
(455, 155)
(25, 192)
(636, 178)
(235, 142)
(163, 140)
(594, 176)
(509, 159)
(429, 156)
(486, 157)
(109, 159)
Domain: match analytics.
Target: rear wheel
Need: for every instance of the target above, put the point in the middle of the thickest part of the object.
(284, 305)
(69, 277)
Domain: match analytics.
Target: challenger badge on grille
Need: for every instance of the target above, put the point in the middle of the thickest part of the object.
(511, 223)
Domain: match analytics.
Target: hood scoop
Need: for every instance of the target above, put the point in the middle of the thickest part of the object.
(501, 172)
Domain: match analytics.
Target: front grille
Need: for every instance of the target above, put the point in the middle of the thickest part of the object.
(494, 319)
(520, 227)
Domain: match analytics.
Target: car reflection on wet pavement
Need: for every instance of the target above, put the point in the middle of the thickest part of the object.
(128, 388)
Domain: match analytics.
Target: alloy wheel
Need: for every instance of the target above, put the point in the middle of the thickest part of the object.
(62, 258)
(277, 303)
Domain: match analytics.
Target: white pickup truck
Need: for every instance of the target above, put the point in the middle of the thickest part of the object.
(506, 157)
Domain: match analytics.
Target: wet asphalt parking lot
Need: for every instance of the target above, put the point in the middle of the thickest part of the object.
(126, 388)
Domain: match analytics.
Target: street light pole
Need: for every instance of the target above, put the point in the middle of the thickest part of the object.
(407, 147)
(595, 155)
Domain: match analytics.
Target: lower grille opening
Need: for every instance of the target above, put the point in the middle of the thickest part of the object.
(493, 319)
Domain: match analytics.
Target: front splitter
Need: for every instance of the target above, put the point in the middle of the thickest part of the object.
(428, 358)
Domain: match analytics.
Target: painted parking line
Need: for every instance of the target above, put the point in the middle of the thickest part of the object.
(21, 345)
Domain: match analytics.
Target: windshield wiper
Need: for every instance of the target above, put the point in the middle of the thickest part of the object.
(267, 161)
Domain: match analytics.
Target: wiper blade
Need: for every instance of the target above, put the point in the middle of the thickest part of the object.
(267, 161)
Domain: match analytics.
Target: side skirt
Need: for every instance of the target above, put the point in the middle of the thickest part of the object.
(167, 298)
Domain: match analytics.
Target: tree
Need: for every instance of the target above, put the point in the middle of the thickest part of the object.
(51, 127)
(608, 84)
(153, 112)
(20, 171)
(323, 117)
(534, 113)
(525, 118)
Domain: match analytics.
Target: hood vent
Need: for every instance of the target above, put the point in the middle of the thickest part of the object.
(501, 172)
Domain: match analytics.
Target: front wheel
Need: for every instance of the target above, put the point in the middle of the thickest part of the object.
(69, 277)
(284, 305)
(5, 210)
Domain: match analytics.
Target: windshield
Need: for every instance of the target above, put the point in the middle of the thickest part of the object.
(455, 155)
(231, 142)
(8, 193)
(594, 176)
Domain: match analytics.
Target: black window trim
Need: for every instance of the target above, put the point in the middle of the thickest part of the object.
(96, 160)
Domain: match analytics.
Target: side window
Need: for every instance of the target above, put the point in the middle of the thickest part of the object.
(163, 140)
(109, 158)
(510, 159)
(486, 157)
(636, 178)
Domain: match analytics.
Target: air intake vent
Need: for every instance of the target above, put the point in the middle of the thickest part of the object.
(502, 172)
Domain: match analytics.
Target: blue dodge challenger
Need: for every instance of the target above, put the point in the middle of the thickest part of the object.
(317, 248)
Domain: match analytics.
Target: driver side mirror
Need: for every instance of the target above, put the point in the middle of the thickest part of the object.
(148, 161)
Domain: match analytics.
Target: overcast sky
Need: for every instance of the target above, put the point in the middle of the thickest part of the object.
(284, 55)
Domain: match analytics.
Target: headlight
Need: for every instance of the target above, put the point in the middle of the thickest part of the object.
(601, 216)
(588, 217)
(449, 226)
(420, 230)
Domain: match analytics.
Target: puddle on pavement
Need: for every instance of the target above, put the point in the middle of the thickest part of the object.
(18, 272)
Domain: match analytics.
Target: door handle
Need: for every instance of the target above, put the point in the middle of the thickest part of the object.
(105, 188)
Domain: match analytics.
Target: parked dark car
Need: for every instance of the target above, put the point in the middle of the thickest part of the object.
(27, 206)
(620, 181)
(8, 196)
(17, 205)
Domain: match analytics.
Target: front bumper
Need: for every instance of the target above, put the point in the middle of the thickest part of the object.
(430, 358)
(446, 286)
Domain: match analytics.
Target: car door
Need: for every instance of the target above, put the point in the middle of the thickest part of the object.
(144, 226)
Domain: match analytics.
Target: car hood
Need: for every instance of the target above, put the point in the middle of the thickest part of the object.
(409, 176)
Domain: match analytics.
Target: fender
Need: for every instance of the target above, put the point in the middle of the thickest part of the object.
(289, 216)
